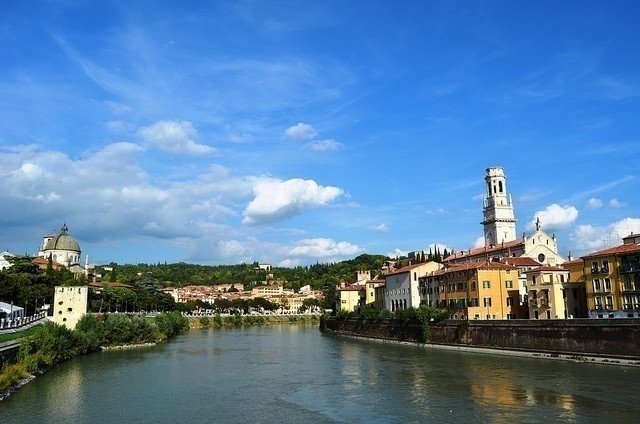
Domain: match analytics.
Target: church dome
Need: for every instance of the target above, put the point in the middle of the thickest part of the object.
(63, 241)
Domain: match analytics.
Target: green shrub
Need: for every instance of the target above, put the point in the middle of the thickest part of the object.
(204, 321)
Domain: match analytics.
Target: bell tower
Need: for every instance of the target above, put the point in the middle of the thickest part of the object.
(499, 222)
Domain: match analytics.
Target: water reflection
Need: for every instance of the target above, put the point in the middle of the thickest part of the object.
(294, 374)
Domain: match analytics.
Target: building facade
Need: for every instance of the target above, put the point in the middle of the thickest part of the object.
(402, 289)
(69, 305)
(552, 295)
(480, 290)
(612, 280)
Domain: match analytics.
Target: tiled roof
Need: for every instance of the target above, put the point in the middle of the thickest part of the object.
(405, 269)
(474, 265)
(485, 249)
(521, 261)
(352, 288)
(573, 262)
(618, 250)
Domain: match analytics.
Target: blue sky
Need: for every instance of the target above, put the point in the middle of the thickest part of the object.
(297, 132)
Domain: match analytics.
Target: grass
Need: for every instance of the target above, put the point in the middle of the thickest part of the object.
(18, 335)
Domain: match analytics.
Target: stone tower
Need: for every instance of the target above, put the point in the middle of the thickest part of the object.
(499, 222)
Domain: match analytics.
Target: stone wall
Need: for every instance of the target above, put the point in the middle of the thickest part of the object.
(610, 337)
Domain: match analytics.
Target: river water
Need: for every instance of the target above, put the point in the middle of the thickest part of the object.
(294, 374)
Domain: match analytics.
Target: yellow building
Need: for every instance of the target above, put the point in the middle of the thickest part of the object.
(270, 290)
(612, 280)
(552, 295)
(351, 298)
(69, 305)
(374, 293)
(480, 290)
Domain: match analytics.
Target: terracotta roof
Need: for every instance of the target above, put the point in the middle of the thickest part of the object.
(573, 262)
(405, 269)
(352, 288)
(474, 265)
(42, 262)
(521, 261)
(618, 250)
(485, 249)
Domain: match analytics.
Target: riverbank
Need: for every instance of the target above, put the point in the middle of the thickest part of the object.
(571, 357)
(218, 321)
(615, 342)
(51, 344)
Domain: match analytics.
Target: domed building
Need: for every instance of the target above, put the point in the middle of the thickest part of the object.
(61, 248)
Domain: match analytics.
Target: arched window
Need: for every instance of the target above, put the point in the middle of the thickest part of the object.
(500, 186)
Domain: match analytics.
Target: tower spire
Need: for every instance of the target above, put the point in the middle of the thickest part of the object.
(499, 221)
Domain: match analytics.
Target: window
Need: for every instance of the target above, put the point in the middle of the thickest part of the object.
(452, 303)
(486, 284)
(460, 286)
(609, 300)
(509, 301)
(596, 285)
(598, 301)
(594, 267)
(473, 285)
(415, 276)
(627, 283)
(607, 284)
(533, 280)
(508, 284)
(541, 258)
(605, 266)
(487, 302)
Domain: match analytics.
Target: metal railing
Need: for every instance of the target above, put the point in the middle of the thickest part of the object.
(12, 324)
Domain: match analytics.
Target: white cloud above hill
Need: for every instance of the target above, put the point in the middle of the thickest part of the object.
(276, 199)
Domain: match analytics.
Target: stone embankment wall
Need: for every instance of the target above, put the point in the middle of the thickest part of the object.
(610, 337)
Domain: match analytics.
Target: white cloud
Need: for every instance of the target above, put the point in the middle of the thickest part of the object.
(555, 217)
(174, 137)
(479, 196)
(615, 203)
(397, 252)
(289, 263)
(231, 249)
(276, 199)
(438, 211)
(594, 203)
(588, 238)
(382, 228)
(300, 131)
(322, 146)
(480, 241)
(323, 247)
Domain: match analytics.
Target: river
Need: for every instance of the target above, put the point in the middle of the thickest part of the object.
(294, 374)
